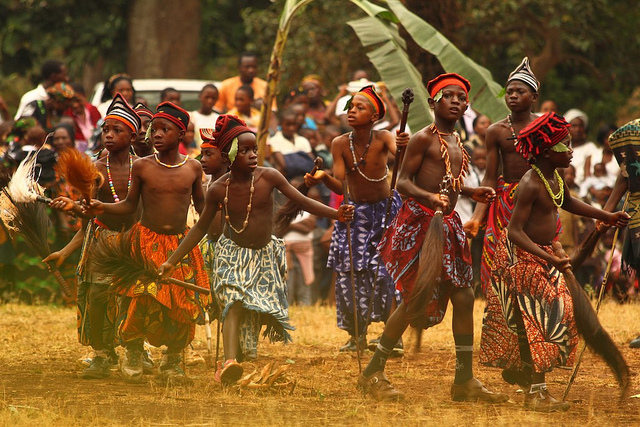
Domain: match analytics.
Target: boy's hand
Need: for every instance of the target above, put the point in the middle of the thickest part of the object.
(483, 194)
(619, 219)
(561, 263)
(345, 213)
(471, 228)
(96, 207)
(165, 269)
(402, 139)
(439, 201)
(62, 204)
(315, 179)
(58, 257)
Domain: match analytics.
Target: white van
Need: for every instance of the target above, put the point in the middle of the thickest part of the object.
(150, 89)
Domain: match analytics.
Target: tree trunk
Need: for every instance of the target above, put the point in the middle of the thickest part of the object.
(163, 38)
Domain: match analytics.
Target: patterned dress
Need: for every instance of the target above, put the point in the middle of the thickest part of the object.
(367, 228)
(400, 250)
(527, 293)
(257, 278)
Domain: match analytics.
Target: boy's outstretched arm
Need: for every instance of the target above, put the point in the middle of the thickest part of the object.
(74, 244)
(127, 206)
(195, 234)
(526, 195)
(345, 213)
(479, 194)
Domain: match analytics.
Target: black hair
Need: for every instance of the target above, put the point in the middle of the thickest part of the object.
(246, 55)
(209, 86)
(70, 130)
(111, 82)
(166, 91)
(604, 132)
(246, 89)
(77, 87)
(49, 68)
(289, 112)
(475, 121)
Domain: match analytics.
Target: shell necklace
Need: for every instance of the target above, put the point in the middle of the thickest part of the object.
(456, 182)
(226, 208)
(362, 161)
(111, 186)
(554, 197)
(513, 132)
(170, 166)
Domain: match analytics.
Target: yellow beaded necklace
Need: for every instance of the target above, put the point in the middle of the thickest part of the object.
(554, 197)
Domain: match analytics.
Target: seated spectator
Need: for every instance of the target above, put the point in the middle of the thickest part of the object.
(480, 125)
(312, 86)
(290, 152)
(244, 108)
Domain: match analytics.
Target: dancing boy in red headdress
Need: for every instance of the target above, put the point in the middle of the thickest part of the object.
(532, 329)
(249, 265)
(164, 314)
(432, 154)
(361, 157)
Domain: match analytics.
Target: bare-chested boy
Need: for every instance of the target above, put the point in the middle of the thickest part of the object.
(532, 329)
(97, 309)
(433, 153)
(521, 94)
(164, 314)
(141, 146)
(361, 158)
(249, 265)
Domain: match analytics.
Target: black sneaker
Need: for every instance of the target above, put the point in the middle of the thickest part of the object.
(398, 349)
(99, 368)
(113, 358)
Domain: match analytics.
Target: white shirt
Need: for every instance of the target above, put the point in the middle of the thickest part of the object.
(280, 144)
(201, 121)
(296, 236)
(37, 94)
(580, 155)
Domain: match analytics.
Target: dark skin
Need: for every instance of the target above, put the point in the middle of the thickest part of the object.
(420, 177)
(216, 165)
(248, 68)
(534, 216)
(361, 117)
(141, 148)
(258, 232)
(165, 192)
(117, 139)
(208, 98)
(501, 151)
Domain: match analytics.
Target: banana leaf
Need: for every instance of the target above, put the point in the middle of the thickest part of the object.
(485, 91)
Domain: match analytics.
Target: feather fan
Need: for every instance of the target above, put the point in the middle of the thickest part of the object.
(78, 170)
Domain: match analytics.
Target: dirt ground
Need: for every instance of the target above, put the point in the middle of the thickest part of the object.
(40, 383)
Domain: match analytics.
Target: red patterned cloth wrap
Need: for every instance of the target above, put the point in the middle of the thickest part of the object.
(400, 250)
(497, 220)
(164, 313)
(524, 286)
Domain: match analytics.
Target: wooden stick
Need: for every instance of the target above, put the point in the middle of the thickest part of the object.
(605, 278)
(345, 194)
(186, 285)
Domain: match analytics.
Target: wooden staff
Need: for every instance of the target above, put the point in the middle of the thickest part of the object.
(407, 99)
(345, 193)
(605, 278)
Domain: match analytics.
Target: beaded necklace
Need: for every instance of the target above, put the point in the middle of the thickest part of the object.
(113, 189)
(554, 197)
(456, 182)
(513, 132)
(155, 155)
(226, 208)
(362, 161)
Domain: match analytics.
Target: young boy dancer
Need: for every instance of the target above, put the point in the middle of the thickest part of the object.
(521, 94)
(360, 157)
(164, 314)
(249, 265)
(433, 153)
(533, 330)
(141, 146)
(96, 308)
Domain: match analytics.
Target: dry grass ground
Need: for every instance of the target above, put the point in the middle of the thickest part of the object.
(39, 382)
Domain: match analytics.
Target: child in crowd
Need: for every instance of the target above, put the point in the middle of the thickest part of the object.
(142, 146)
(205, 117)
(249, 266)
(290, 152)
(244, 108)
(170, 95)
